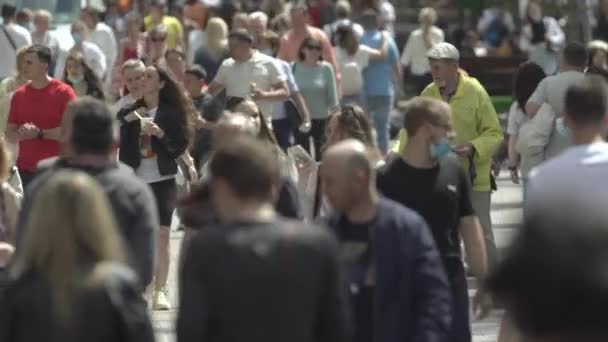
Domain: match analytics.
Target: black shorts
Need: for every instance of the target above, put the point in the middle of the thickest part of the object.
(165, 193)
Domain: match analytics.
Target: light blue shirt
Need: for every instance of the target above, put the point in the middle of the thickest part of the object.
(318, 88)
(378, 76)
(278, 111)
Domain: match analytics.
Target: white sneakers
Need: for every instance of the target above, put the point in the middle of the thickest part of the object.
(161, 300)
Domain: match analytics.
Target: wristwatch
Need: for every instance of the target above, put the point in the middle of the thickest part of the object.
(40, 133)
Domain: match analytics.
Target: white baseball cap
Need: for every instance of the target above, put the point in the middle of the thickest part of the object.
(443, 51)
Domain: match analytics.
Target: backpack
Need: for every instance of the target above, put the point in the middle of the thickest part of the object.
(352, 78)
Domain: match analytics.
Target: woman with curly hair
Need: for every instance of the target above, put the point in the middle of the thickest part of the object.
(155, 132)
(79, 75)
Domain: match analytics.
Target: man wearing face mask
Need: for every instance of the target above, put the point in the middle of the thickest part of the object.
(478, 132)
(94, 57)
(428, 180)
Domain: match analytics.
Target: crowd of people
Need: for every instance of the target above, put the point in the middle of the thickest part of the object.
(267, 141)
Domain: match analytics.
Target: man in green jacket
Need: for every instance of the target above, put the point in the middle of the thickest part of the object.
(478, 131)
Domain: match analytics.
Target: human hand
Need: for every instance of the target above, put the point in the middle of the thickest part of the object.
(27, 131)
(464, 150)
(256, 93)
(305, 126)
(152, 129)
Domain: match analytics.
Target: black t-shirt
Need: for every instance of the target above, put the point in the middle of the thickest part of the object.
(356, 260)
(441, 195)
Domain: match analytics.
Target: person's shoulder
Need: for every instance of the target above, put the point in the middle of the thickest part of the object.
(104, 28)
(19, 30)
(402, 216)
(228, 62)
(92, 47)
(326, 66)
(317, 33)
(61, 86)
(416, 33)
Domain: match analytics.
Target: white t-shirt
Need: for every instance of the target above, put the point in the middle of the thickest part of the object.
(21, 37)
(415, 50)
(351, 68)
(553, 90)
(148, 168)
(103, 37)
(577, 174)
(261, 69)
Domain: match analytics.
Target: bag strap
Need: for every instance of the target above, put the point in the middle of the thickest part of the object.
(10, 39)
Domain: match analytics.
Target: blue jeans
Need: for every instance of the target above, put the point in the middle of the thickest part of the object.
(379, 110)
(282, 131)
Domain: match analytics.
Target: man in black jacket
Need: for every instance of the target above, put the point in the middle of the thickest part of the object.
(255, 277)
(89, 138)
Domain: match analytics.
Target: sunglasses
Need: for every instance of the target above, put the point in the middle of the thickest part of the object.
(157, 39)
(313, 47)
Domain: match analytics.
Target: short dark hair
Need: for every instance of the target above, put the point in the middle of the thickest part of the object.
(575, 54)
(525, 81)
(197, 71)
(241, 35)
(42, 51)
(419, 111)
(586, 102)
(93, 126)
(8, 11)
(247, 153)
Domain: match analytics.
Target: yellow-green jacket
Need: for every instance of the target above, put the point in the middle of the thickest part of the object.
(475, 121)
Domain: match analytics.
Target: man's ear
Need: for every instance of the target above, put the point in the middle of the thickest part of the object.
(162, 84)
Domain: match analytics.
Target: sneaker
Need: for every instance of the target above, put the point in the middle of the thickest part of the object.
(161, 300)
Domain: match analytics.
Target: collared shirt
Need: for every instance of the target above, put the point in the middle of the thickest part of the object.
(260, 69)
(415, 50)
(475, 122)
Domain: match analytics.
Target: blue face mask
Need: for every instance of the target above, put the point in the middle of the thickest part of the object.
(561, 128)
(441, 148)
(77, 38)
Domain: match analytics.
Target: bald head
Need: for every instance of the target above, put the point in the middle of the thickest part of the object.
(345, 171)
(348, 157)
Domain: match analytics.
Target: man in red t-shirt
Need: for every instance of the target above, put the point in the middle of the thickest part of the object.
(36, 112)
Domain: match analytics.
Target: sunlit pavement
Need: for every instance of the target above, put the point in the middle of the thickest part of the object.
(506, 215)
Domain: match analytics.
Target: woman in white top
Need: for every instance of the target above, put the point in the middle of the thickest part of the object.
(155, 132)
(352, 57)
(132, 77)
(525, 82)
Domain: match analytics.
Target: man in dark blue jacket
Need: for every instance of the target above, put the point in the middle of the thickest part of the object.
(397, 283)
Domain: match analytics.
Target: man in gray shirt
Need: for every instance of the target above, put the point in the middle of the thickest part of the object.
(552, 90)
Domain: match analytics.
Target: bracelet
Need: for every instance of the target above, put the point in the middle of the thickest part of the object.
(40, 133)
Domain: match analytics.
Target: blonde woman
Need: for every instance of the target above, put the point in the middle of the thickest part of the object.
(133, 46)
(211, 56)
(132, 76)
(7, 88)
(69, 274)
(9, 209)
